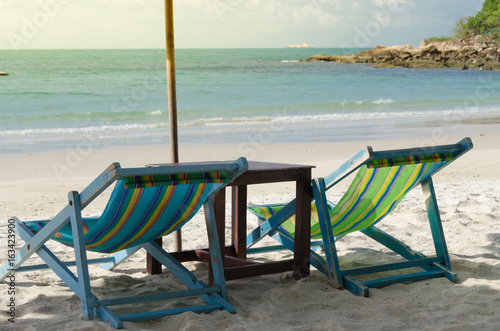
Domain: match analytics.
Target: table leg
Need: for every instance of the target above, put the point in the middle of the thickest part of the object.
(239, 220)
(153, 267)
(302, 248)
(219, 201)
(220, 217)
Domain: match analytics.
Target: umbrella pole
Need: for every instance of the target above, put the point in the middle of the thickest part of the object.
(153, 266)
(172, 96)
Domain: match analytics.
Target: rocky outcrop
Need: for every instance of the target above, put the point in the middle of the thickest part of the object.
(474, 53)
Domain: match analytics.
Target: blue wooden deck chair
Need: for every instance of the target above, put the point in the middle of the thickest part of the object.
(146, 203)
(382, 181)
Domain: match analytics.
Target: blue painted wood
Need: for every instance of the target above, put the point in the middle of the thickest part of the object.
(170, 263)
(119, 257)
(348, 167)
(67, 264)
(107, 315)
(391, 266)
(157, 296)
(49, 258)
(35, 242)
(99, 185)
(184, 275)
(83, 292)
(283, 238)
(214, 248)
(433, 267)
(402, 278)
(392, 243)
(435, 221)
(450, 275)
(319, 263)
(316, 245)
(356, 287)
(271, 224)
(91, 305)
(319, 193)
(406, 252)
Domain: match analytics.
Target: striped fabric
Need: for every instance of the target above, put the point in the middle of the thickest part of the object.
(398, 161)
(264, 212)
(136, 216)
(176, 179)
(373, 194)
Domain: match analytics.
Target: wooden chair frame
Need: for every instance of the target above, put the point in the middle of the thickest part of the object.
(215, 296)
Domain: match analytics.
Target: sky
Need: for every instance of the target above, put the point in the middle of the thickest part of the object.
(96, 24)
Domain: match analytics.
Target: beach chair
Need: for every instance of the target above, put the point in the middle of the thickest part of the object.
(146, 203)
(383, 179)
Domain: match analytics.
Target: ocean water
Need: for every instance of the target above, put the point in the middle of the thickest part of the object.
(60, 99)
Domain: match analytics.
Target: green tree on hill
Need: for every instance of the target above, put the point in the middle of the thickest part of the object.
(486, 22)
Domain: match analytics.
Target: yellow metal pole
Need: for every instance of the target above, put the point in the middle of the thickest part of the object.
(172, 96)
(152, 265)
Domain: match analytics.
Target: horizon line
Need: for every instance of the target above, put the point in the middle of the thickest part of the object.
(164, 48)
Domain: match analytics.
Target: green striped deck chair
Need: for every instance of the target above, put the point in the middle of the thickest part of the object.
(145, 204)
(382, 180)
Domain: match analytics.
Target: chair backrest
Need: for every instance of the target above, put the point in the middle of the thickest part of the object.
(145, 207)
(383, 180)
(374, 193)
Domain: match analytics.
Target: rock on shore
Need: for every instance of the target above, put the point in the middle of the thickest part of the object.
(473, 53)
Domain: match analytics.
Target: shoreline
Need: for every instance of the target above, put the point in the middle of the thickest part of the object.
(256, 138)
(58, 166)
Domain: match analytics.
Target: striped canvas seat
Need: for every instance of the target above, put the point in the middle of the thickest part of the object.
(145, 204)
(382, 180)
(376, 190)
(134, 216)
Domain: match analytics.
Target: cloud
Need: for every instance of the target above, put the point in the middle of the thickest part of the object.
(311, 12)
(393, 5)
(231, 23)
(318, 12)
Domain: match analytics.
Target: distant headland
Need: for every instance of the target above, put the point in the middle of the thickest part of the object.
(303, 45)
(3, 73)
(474, 46)
(470, 53)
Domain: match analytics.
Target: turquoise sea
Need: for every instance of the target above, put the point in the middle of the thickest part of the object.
(55, 99)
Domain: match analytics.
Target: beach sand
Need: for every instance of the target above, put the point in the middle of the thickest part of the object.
(35, 186)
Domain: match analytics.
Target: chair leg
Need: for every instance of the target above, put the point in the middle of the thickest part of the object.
(84, 292)
(435, 221)
(214, 247)
(356, 287)
(328, 239)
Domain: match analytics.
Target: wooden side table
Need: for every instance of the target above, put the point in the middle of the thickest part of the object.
(236, 264)
(263, 173)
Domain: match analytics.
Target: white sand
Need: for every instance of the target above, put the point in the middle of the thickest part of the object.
(35, 187)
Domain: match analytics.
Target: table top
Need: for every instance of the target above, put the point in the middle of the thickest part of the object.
(269, 172)
(253, 166)
(260, 172)
(273, 166)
